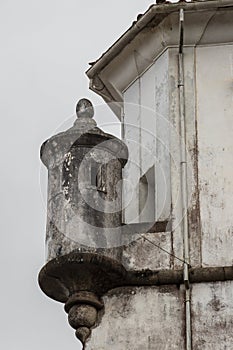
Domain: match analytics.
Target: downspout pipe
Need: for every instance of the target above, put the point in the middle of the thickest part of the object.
(184, 187)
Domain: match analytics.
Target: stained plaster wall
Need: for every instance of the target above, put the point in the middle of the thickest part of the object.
(141, 318)
(152, 106)
(155, 313)
(153, 318)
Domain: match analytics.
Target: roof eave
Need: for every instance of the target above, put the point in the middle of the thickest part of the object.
(156, 14)
(160, 11)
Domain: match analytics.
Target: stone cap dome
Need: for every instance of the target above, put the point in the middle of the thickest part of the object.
(83, 133)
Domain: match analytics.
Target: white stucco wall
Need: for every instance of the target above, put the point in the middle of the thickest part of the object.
(151, 125)
(146, 133)
(138, 318)
(212, 315)
(214, 76)
(154, 318)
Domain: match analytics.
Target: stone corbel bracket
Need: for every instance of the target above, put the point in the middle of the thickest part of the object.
(80, 280)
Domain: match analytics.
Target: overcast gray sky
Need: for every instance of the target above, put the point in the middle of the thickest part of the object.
(45, 49)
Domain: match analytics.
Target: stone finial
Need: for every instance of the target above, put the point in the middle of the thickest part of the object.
(83, 333)
(85, 114)
(82, 309)
(84, 109)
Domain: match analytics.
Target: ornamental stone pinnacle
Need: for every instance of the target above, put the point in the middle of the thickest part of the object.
(84, 109)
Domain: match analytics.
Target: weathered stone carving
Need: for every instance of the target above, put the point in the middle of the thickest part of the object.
(84, 218)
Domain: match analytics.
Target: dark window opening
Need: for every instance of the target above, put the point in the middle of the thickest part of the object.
(99, 177)
(147, 196)
(94, 170)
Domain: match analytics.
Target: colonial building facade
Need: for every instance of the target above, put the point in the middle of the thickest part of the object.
(159, 275)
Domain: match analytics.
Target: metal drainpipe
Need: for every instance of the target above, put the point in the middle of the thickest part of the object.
(184, 189)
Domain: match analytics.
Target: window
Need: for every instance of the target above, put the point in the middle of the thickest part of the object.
(98, 176)
(147, 196)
